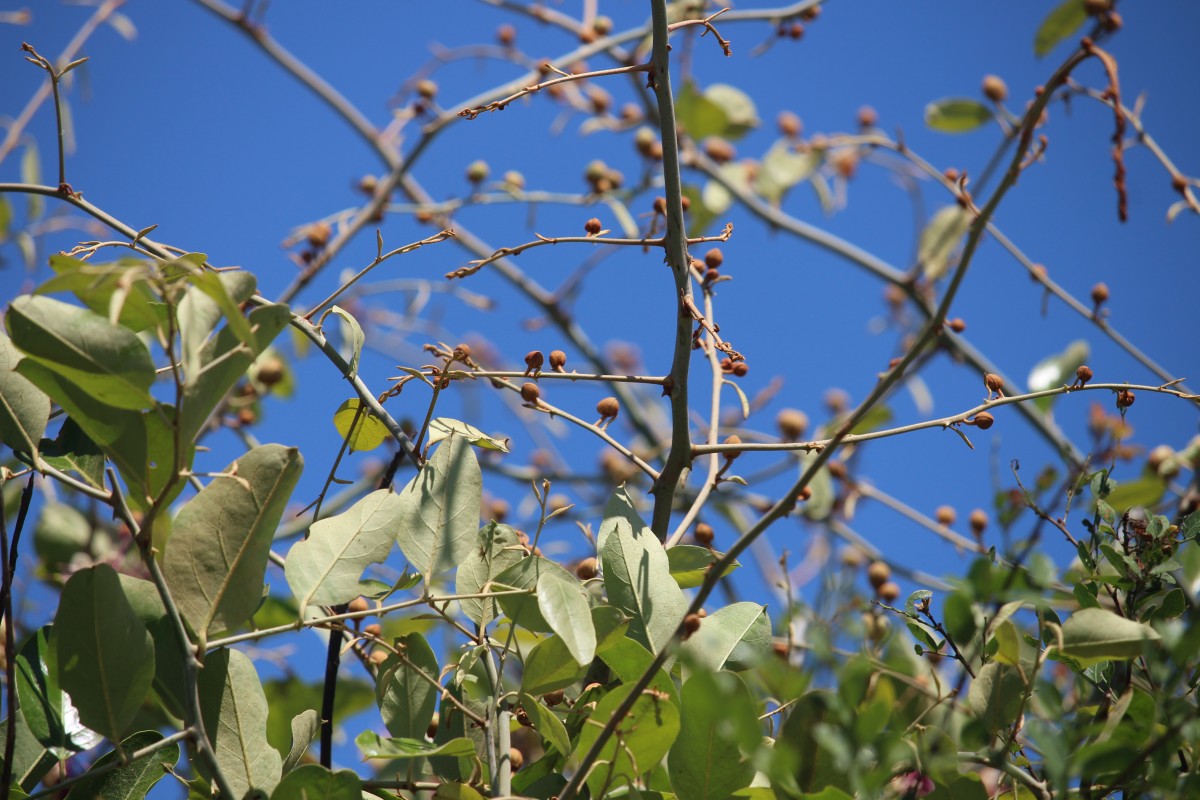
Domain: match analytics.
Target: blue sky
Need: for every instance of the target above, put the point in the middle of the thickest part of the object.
(188, 126)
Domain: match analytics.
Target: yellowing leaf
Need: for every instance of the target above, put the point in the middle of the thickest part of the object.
(364, 431)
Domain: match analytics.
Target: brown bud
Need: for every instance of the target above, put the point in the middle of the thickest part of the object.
(805, 494)
(958, 324)
(432, 730)
(587, 569)
(796, 31)
(553, 698)
(530, 392)
(951, 174)
(978, 521)
(1095, 8)
(516, 758)
(711, 275)
(377, 657)
(478, 171)
(878, 573)
(533, 361)
(270, 371)
(318, 234)
(945, 515)
(1179, 183)
(691, 624)
(427, 89)
(994, 88)
(703, 533)
(852, 556)
(374, 630)
(462, 352)
(1100, 294)
(792, 424)
(714, 258)
(1125, 399)
(558, 360)
(789, 124)
(993, 382)
(983, 420)
(660, 205)
(358, 605)
(1083, 374)
(367, 184)
(732, 438)
(685, 202)
(593, 226)
(608, 408)
(867, 117)
(719, 150)
(727, 364)
(889, 592)
(506, 35)
(740, 369)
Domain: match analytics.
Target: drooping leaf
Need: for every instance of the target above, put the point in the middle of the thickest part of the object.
(1092, 635)
(406, 699)
(956, 114)
(119, 291)
(24, 408)
(217, 556)
(940, 240)
(131, 781)
(223, 360)
(83, 348)
(568, 613)
(637, 574)
(306, 727)
(234, 709)
(705, 761)
(442, 427)
(740, 631)
(523, 609)
(314, 782)
(358, 426)
(325, 568)
(105, 653)
(1066, 18)
(372, 745)
(211, 295)
(497, 550)
(649, 731)
(440, 509)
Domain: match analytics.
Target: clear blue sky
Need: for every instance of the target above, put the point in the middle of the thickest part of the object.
(190, 127)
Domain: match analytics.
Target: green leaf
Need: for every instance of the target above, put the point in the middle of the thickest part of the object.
(699, 115)
(306, 727)
(325, 569)
(813, 766)
(119, 291)
(705, 761)
(234, 710)
(563, 602)
(406, 699)
(30, 759)
(223, 360)
(105, 653)
(820, 503)
(441, 508)
(361, 429)
(1063, 21)
(352, 336)
(372, 745)
(1143, 492)
(648, 730)
(1092, 635)
(549, 666)
(547, 723)
(83, 348)
(940, 240)
(637, 574)
(741, 631)
(442, 427)
(997, 695)
(144, 599)
(24, 408)
(217, 556)
(314, 782)
(1057, 370)
(211, 295)
(740, 114)
(689, 564)
(47, 710)
(497, 550)
(716, 197)
(956, 114)
(131, 781)
(61, 533)
(73, 451)
(782, 167)
(629, 661)
(523, 610)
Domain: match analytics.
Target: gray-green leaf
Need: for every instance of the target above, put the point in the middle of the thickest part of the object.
(217, 556)
(956, 114)
(234, 709)
(1092, 635)
(24, 408)
(497, 550)
(130, 781)
(406, 699)
(440, 509)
